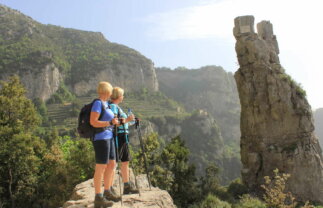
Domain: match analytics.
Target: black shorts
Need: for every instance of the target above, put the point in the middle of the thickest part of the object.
(104, 151)
(123, 148)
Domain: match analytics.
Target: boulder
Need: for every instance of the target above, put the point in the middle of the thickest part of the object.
(83, 195)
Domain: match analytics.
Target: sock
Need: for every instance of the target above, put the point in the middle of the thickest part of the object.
(99, 195)
(126, 184)
(108, 190)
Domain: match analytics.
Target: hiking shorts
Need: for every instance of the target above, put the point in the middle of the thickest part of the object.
(104, 151)
(123, 148)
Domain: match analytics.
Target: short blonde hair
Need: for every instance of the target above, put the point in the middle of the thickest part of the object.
(104, 87)
(116, 93)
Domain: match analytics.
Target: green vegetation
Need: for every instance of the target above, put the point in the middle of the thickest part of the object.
(275, 195)
(63, 107)
(212, 201)
(61, 95)
(170, 170)
(26, 45)
(38, 167)
(248, 201)
(299, 89)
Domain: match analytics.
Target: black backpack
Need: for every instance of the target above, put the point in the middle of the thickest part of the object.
(84, 128)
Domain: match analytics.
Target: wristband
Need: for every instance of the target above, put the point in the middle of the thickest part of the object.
(110, 122)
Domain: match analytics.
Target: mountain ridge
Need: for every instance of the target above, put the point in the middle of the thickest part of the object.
(78, 59)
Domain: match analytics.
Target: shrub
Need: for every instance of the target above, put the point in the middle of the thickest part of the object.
(237, 189)
(248, 201)
(212, 201)
(275, 195)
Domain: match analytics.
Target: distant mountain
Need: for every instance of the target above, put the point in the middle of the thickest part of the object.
(212, 90)
(209, 88)
(318, 122)
(47, 57)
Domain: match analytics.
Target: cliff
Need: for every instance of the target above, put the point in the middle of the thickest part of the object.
(209, 88)
(318, 121)
(83, 196)
(277, 129)
(201, 135)
(47, 56)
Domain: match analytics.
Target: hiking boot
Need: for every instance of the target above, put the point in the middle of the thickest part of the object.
(128, 189)
(101, 202)
(109, 195)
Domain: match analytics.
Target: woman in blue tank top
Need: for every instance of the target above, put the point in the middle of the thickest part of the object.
(103, 144)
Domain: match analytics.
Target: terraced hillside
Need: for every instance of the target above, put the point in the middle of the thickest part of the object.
(144, 104)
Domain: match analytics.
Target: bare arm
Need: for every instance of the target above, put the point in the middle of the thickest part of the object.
(95, 122)
(130, 118)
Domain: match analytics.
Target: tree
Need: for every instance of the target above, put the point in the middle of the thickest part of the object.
(210, 182)
(212, 201)
(42, 109)
(183, 188)
(170, 169)
(20, 149)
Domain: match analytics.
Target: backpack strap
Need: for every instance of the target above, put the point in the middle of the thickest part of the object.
(101, 114)
(102, 107)
(119, 109)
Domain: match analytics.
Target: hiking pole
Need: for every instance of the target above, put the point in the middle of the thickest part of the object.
(143, 150)
(117, 157)
(134, 173)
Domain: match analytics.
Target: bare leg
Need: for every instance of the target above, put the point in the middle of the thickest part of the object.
(125, 171)
(109, 174)
(98, 175)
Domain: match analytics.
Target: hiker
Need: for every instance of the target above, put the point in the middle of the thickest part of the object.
(103, 144)
(121, 139)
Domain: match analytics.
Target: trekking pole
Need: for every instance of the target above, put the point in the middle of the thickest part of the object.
(143, 150)
(117, 157)
(134, 173)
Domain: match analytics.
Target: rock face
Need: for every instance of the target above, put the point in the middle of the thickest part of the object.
(41, 83)
(318, 121)
(276, 119)
(83, 196)
(140, 74)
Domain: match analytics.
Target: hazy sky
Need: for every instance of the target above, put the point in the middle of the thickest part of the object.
(195, 33)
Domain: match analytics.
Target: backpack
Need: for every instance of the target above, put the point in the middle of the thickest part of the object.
(84, 128)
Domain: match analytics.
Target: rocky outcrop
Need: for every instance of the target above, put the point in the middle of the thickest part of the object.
(83, 196)
(276, 119)
(41, 83)
(318, 121)
(140, 74)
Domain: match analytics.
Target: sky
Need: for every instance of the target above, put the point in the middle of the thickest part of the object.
(196, 33)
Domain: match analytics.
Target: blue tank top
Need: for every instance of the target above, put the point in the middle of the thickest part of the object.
(106, 116)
